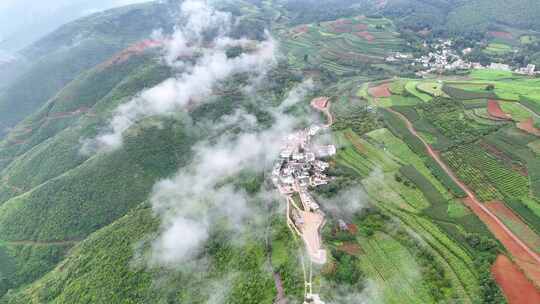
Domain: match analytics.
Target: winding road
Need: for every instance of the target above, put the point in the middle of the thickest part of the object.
(527, 259)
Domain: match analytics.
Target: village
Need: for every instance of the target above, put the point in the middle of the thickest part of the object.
(299, 168)
(444, 57)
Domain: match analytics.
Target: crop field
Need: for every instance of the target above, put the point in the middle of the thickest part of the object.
(488, 74)
(498, 49)
(431, 88)
(487, 176)
(456, 263)
(394, 270)
(466, 93)
(517, 111)
(472, 177)
(342, 46)
(516, 224)
(410, 86)
(481, 117)
(404, 154)
(361, 155)
(535, 146)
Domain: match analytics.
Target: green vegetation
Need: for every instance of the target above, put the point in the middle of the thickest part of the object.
(322, 46)
(498, 49)
(53, 65)
(72, 226)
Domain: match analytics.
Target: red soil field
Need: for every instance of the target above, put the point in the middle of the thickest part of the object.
(360, 27)
(342, 22)
(515, 286)
(135, 49)
(353, 229)
(365, 35)
(503, 35)
(520, 228)
(382, 90)
(528, 126)
(495, 111)
(320, 102)
(323, 104)
(525, 260)
(301, 29)
(350, 248)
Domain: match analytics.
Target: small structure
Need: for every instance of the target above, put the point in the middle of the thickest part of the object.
(313, 298)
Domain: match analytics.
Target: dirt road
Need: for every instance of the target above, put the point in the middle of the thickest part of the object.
(526, 258)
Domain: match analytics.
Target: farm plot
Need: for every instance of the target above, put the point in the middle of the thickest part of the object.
(472, 177)
(394, 270)
(516, 224)
(432, 88)
(456, 91)
(381, 90)
(497, 173)
(498, 49)
(517, 111)
(457, 264)
(516, 286)
(401, 151)
(341, 46)
(410, 87)
(535, 146)
(495, 111)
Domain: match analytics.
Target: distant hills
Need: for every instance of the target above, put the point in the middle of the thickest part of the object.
(53, 61)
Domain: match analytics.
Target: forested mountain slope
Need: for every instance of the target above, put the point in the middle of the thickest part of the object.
(55, 60)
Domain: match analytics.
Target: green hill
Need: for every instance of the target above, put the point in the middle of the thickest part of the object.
(58, 58)
(78, 227)
(464, 16)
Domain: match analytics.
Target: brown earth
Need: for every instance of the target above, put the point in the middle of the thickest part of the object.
(135, 49)
(515, 286)
(360, 27)
(382, 90)
(503, 35)
(495, 111)
(525, 233)
(350, 248)
(366, 35)
(528, 126)
(527, 260)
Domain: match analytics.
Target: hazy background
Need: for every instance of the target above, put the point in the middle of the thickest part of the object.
(24, 21)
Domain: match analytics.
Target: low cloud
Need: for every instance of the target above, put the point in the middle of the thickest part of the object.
(347, 202)
(370, 294)
(206, 65)
(192, 201)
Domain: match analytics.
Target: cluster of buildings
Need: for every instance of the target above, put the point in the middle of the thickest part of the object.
(530, 69)
(444, 57)
(299, 168)
(300, 165)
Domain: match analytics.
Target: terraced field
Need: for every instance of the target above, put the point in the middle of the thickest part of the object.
(342, 46)
(486, 173)
(394, 270)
